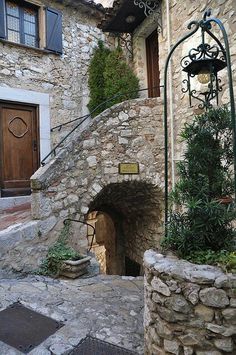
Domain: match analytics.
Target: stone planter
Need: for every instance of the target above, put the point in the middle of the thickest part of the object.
(75, 268)
(189, 309)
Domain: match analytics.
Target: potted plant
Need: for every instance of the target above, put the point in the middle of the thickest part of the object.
(63, 260)
(201, 225)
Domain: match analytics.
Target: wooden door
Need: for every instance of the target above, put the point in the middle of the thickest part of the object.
(19, 153)
(153, 73)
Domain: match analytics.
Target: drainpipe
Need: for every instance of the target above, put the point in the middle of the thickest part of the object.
(171, 109)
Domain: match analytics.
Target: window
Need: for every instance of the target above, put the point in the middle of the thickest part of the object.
(22, 24)
(32, 25)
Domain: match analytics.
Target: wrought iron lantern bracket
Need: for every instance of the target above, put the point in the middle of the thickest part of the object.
(213, 57)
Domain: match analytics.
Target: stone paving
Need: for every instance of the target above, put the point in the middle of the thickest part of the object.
(107, 307)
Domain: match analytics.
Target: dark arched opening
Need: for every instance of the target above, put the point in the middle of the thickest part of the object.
(128, 218)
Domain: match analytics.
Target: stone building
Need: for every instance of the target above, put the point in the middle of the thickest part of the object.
(45, 51)
(83, 179)
(154, 35)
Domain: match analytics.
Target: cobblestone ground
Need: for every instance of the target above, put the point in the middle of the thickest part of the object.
(107, 307)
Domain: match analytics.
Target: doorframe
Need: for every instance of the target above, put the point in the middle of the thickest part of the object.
(140, 59)
(17, 105)
(34, 98)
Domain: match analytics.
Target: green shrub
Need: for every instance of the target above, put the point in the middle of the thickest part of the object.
(110, 75)
(119, 78)
(96, 78)
(200, 222)
(57, 253)
(223, 258)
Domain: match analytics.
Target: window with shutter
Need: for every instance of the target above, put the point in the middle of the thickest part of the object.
(25, 23)
(22, 23)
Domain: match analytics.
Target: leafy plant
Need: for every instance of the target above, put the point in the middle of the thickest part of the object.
(96, 78)
(223, 258)
(110, 75)
(200, 223)
(57, 253)
(119, 78)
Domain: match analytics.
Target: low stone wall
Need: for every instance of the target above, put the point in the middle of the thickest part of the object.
(189, 309)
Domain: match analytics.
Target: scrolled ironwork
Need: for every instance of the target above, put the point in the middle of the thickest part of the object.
(126, 42)
(148, 6)
(185, 89)
(151, 9)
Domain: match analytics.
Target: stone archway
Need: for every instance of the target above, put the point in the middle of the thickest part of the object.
(104, 245)
(128, 218)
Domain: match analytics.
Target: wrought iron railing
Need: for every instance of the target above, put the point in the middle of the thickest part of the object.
(87, 224)
(82, 119)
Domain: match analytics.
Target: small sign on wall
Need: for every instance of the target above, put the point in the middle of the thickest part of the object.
(129, 168)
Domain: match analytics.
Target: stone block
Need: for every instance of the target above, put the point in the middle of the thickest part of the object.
(188, 350)
(190, 339)
(160, 286)
(214, 297)
(172, 346)
(225, 344)
(229, 315)
(191, 292)
(171, 316)
(220, 329)
(178, 303)
(205, 313)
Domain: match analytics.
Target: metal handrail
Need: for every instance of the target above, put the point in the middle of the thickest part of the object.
(83, 119)
(82, 222)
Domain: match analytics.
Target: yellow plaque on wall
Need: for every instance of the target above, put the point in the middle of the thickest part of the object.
(129, 168)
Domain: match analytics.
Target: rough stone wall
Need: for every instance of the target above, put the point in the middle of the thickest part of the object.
(182, 13)
(86, 170)
(189, 309)
(63, 77)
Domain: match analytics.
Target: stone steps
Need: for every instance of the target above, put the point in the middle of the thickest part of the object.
(20, 234)
(12, 202)
(15, 215)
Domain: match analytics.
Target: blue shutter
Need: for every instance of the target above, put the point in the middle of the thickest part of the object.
(2, 19)
(53, 30)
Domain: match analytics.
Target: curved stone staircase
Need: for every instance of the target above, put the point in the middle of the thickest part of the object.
(128, 132)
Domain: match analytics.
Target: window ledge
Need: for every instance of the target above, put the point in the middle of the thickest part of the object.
(15, 44)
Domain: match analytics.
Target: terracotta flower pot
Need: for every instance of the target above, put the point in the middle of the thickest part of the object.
(75, 268)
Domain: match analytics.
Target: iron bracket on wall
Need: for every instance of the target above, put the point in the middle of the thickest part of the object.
(125, 41)
(151, 8)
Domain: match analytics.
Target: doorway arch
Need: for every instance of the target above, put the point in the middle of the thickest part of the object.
(128, 219)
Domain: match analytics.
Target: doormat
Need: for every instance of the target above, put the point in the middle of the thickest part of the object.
(24, 329)
(93, 346)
